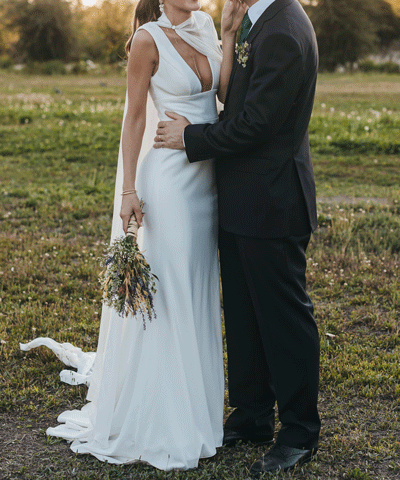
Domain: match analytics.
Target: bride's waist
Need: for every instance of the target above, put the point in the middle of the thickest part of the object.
(199, 108)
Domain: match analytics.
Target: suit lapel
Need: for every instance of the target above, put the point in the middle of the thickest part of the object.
(269, 13)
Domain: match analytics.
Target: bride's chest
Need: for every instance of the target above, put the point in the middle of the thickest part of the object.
(183, 75)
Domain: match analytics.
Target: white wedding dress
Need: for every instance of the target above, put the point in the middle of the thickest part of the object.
(157, 395)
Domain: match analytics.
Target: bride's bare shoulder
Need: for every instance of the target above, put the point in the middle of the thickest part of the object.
(144, 47)
(143, 39)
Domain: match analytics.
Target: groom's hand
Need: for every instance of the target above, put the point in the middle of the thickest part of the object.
(170, 133)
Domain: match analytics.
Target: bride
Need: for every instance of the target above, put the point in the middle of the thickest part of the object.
(157, 395)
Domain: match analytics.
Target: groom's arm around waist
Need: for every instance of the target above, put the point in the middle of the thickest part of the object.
(274, 85)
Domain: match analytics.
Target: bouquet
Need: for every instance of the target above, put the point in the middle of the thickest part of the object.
(127, 282)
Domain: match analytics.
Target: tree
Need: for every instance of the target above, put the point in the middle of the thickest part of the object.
(104, 28)
(8, 35)
(348, 29)
(44, 26)
(389, 25)
(395, 4)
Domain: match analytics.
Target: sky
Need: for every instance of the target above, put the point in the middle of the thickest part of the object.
(88, 2)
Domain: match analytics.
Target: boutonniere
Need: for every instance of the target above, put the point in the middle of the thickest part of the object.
(243, 51)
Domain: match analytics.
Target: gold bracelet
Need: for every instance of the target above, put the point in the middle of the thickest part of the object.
(128, 192)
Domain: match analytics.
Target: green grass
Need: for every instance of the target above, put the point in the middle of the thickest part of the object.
(58, 154)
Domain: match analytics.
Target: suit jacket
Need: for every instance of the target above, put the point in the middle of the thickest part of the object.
(265, 178)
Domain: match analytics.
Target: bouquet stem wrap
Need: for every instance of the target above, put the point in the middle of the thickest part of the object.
(133, 227)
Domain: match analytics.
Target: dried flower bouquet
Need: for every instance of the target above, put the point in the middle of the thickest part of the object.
(127, 282)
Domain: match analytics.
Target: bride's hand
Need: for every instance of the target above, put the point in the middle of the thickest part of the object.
(232, 16)
(130, 205)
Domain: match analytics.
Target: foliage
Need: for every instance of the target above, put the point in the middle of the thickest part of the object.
(5, 61)
(349, 29)
(388, 24)
(42, 30)
(56, 193)
(7, 35)
(45, 28)
(395, 5)
(52, 67)
(102, 30)
(368, 66)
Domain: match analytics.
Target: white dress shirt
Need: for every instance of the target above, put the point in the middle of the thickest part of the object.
(256, 10)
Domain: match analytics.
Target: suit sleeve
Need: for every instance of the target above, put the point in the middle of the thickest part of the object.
(274, 85)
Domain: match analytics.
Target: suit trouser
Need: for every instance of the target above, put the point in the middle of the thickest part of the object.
(272, 338)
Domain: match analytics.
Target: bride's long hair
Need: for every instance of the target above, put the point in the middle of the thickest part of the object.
(145, 11)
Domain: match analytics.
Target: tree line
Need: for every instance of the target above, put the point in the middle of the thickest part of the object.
(42, 30)
(347, 30)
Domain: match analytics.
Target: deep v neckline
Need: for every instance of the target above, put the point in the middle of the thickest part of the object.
(188, 66)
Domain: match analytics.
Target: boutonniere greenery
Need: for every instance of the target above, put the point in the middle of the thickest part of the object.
(243, 51)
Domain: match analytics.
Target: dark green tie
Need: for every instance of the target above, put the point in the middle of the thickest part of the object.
(245, 28)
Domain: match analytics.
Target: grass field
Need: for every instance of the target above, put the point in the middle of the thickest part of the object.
(58, 149)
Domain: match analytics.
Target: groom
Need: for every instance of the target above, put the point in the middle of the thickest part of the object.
(267, 211)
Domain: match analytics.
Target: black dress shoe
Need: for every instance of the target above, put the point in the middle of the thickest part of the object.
(280, 457)
(241, 426)
(231, 437)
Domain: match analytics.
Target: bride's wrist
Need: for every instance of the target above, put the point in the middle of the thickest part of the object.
(128, 186)
(228, 35)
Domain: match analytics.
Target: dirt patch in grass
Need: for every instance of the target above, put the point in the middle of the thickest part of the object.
(23, 445)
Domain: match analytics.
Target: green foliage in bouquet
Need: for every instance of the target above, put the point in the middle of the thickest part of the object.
(127, 282)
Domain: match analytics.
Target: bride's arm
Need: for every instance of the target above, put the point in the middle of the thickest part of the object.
(232, 16)
(142, 64)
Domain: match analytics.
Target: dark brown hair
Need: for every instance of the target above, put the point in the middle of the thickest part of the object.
(145, 11)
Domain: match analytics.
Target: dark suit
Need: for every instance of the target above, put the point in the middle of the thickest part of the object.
(267, 210)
